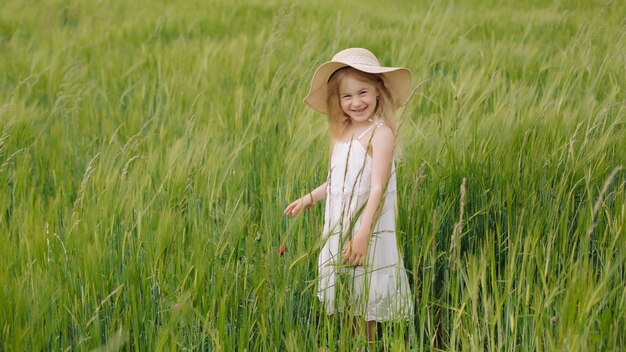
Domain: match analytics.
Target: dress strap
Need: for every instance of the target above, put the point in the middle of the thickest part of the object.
(374, 125)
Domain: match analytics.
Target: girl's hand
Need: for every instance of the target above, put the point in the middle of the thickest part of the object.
(355, 250)
(296, 206)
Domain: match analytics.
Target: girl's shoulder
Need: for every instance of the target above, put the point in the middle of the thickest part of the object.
(381, 134)
(384, 130)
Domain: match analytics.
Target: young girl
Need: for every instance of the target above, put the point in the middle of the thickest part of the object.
(360, 258)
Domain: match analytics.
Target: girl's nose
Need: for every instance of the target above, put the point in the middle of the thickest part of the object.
(356, 101)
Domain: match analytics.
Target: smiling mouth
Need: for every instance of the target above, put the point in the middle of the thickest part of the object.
(360, 110)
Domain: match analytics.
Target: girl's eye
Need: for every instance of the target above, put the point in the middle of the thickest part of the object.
(363, 93)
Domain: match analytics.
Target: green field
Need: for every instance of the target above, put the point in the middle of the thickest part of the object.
(148, 148)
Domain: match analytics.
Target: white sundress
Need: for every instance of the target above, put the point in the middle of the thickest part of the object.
(377, 290)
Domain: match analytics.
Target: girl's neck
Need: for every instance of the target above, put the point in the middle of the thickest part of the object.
(350, 125)
(351, 128)
(361, 125)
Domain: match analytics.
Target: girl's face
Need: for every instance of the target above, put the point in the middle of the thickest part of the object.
(358, 99)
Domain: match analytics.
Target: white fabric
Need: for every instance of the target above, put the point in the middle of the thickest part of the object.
(377, 290)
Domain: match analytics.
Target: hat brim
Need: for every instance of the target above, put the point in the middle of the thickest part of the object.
(397, 80)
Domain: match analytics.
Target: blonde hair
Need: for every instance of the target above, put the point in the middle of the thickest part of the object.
(338, 120)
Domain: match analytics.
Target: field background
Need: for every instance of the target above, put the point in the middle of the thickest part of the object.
(148, 149)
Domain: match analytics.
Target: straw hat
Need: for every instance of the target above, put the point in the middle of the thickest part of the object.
(397, 79)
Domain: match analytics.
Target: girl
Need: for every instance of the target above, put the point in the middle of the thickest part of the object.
(359, 265)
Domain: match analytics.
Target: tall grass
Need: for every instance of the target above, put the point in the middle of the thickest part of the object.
(148, 149)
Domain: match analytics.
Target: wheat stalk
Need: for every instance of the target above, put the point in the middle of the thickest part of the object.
(600, 200)
(458, 227)
(81, 192)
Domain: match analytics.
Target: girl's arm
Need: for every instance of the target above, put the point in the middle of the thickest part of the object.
(309, 199)
(382, 149)
(306, 201)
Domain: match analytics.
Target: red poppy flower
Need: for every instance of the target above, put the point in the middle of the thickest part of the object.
(282, 249)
